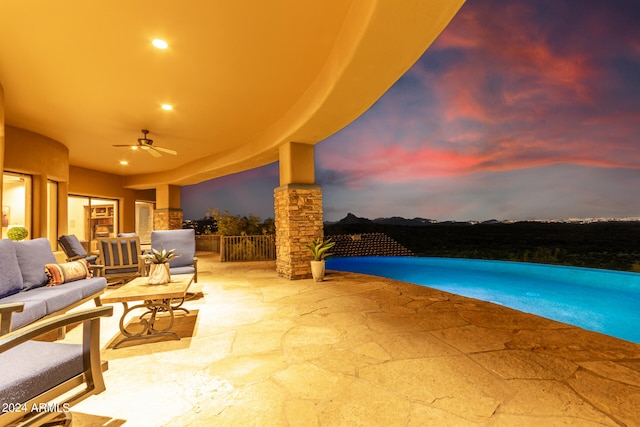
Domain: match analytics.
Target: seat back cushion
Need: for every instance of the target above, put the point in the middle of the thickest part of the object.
(183, 241)
(32, 257)
(72, 246)
(10, 276)
(119, 251)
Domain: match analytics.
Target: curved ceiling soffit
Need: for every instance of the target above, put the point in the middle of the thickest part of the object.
(265, 146)
(313, 117)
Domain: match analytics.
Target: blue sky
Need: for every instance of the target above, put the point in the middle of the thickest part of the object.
(526, 109)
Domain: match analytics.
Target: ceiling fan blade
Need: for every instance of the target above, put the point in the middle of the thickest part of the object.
(166, 150)
(145, 144)
(153, 151)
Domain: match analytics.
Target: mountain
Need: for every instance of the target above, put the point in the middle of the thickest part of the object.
(351, 219)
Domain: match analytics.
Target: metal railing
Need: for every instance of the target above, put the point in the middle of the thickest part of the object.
(208, 243)
(247, 248)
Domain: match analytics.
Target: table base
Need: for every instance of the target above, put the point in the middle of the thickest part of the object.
(148, 320)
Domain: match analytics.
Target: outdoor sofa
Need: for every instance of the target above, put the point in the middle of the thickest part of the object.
(24, 279)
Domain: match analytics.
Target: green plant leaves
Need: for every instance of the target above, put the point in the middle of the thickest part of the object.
(17, 233)
(319, 248)
(160, 257)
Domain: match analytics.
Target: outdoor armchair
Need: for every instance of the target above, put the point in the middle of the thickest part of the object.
(42, 380)
(121, 257)
(184, 243)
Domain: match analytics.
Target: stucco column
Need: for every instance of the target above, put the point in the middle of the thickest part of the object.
(39, 206)
(1, 139)
(298, 210)
(168, 214)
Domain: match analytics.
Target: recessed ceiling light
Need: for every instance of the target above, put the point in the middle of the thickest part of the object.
(124, 162)
(160, 44)
(167, 107)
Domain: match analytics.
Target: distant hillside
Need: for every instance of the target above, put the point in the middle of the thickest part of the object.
(396, 220)
(351, 219)
(611, 245)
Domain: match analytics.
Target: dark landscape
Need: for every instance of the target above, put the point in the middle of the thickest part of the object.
(613, 245)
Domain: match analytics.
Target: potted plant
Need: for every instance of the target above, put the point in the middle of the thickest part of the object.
(159, 272)
(319, 250)
(17, 232)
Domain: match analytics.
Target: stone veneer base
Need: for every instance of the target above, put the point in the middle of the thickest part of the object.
(167, 219)
(298, 220)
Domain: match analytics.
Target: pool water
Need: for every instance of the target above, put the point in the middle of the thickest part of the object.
(605, 301)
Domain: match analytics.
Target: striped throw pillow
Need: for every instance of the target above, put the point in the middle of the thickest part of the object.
(68, 272)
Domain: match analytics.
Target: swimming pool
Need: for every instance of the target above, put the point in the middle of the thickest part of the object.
(599, 300)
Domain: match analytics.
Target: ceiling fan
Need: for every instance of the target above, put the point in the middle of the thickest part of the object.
(146, 144)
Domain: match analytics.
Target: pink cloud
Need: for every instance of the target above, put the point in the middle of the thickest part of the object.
(501, 92)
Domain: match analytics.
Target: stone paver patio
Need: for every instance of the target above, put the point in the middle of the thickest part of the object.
(356, 350)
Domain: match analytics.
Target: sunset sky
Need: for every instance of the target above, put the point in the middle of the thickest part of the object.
(521, 109)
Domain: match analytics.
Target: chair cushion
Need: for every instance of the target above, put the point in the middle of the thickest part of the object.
(183, 241)
(125, 247)
(183, 270)
(32, 256)
(67, 272)
(115, 271)
(35, 367)
(10, 276)
(72, 246)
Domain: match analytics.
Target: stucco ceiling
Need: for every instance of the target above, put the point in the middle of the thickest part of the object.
(243, 77)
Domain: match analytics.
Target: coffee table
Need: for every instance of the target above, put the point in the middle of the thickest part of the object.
(156, 299)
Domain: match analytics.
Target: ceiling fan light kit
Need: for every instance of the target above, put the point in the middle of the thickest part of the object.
(146, 144)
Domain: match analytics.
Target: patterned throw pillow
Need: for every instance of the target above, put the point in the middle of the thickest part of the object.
(68, 272)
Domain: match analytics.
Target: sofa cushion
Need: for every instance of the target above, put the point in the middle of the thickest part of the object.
(56, 298)
(67, 272)
(10, 276)
(92, 286)
(36, 367)
(32, 311)
(32, 256)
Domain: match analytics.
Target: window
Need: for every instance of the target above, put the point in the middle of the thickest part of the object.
(16, 201)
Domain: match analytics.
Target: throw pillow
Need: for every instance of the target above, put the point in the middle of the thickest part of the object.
(67, 272)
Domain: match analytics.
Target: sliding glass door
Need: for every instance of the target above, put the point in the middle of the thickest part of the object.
(144, 221)
(91, 219)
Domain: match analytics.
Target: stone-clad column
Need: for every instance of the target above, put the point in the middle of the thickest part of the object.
(298, 210)
(298, 218)
(168, 214)
(167, 219)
